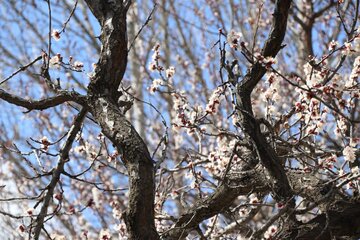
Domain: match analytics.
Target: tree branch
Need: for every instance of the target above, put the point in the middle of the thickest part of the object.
(22, 68)
(103, 94)
(111, 66)
(341, 220)
(64, 157)
(42, 104)
(249, 123)
(140, 215)
(235, 185)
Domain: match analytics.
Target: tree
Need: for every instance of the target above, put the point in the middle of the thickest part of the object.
(180, 119)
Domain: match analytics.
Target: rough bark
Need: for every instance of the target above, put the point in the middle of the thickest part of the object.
(339, 222)
(235, 185)
(103, 94)
(42, 104)
(250, 125)
(225, 195)
(113, 57)
(139, 217)
(263, 171)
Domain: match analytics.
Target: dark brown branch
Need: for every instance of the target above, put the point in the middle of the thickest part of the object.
(218, 202)
(103, 94)
(341, 220)
(42, 104)
(149, 18)
(140, 215)
(70, 16)
(224, 196)
(22, 68)
(250, 125)
(11, 215)
(64, 157)
(113, 57)
(319, 13)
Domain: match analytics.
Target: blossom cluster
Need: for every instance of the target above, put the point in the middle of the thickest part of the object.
(220, 157)
(57, 60)
(185, 116)
(154, 64)
(233, 39)
(215, 99)
(270, 232)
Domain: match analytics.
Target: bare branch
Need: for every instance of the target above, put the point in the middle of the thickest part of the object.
(142, 27)
(42, 104)
(222, 199)
(111, 66)
(23, 68)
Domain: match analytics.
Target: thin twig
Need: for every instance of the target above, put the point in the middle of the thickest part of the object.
(22, 68)
(142, 27)
(64, 157)
(68, 19)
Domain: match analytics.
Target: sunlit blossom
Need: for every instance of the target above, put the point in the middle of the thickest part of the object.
(349, 154)
(104, 234)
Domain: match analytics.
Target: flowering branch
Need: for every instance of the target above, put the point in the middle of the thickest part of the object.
(249, 124)
(63, 158)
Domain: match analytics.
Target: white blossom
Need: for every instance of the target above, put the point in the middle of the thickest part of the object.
(55, 61)
(268, 61)
(347, 49)
(104, 234)
(313, 77)
(253, 199)
(170, 72)
(349, 154)
(78, 65)
(152, 66)
(342, 124)
(270, 232)
(355, 170)
(332, 45)
(357, 44)
(116, 213)
(58, 237)
(121, 229)
(96, 196)
(155, 85)
(233, 39)
(214, 101)
(354, 73)
(30, 211)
